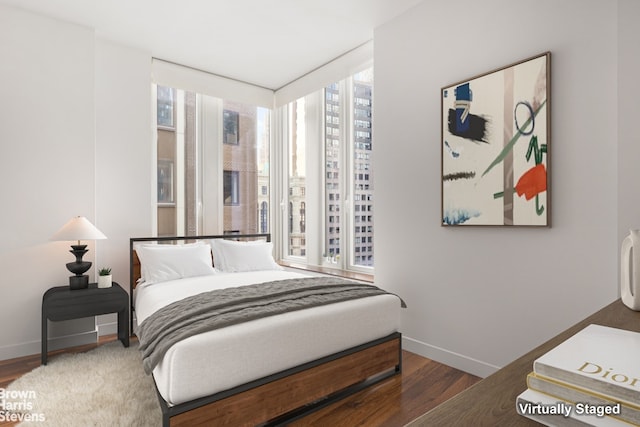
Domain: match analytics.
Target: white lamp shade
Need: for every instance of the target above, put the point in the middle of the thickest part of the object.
(78, 228)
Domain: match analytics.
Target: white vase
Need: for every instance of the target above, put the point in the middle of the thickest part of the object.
(104, 281)
(630, 270)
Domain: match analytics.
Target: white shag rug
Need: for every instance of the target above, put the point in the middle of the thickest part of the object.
(103, 387)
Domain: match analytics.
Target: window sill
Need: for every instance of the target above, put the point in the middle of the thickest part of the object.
(330, 271)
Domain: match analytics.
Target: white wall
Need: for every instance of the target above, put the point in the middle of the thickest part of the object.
(628, 135)
(480, 297)
(54, 79)
(123, 170)
(47, 151)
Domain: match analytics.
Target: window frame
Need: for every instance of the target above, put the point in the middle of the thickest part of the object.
(316, 202)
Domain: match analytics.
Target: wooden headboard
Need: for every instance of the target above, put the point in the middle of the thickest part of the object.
(134, 261)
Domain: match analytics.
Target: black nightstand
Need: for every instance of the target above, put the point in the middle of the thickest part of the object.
(62, 303)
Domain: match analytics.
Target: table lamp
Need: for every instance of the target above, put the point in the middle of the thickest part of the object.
(78, 228)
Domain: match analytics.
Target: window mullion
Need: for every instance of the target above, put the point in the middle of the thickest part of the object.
(210, 133)
(314, 123)
(278, 174)
(346, 143)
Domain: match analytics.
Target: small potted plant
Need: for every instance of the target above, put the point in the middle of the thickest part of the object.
(104, 277)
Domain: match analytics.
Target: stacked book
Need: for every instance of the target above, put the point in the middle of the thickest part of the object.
(591, 379)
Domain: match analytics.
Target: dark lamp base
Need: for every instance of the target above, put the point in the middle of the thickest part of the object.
(79, 282)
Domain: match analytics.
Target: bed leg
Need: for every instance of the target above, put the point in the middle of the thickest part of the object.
(399, 365)
(166, 412)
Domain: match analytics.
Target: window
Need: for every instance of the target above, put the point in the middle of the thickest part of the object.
(333, 157)
(166, 106)
(290, 219)
(328, 159)
(354, 155)
(230, 126)
(264, 217)
(165, 181)
(214, 172)
(213, 165)
(231, 188)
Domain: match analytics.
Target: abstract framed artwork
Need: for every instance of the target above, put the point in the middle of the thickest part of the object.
(496, 130)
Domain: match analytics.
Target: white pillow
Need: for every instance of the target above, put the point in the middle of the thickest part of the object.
(155, 244)
(159, 263)
(234, 257)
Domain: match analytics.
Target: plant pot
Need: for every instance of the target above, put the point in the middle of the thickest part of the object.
(104, 281)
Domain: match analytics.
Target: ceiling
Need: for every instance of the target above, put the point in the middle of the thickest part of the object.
(269, 43)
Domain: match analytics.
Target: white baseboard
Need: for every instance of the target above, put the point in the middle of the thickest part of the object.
(455, 360)
(55, 343)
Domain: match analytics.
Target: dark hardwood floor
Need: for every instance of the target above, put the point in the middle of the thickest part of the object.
(423, 385)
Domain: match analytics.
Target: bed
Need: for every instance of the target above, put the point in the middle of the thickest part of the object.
(262, 371)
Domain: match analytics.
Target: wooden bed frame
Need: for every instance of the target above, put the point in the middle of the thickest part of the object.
(288, 395)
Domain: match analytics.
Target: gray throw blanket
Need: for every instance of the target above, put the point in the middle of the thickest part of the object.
(225, 307)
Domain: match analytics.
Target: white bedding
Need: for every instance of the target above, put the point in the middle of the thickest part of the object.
(221, 359)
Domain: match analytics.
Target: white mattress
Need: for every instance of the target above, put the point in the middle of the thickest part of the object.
(222, 359)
